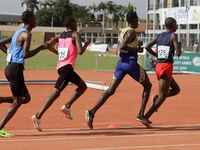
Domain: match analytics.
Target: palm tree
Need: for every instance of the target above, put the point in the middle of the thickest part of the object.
(46, 3)
(118, 14)
(74, 7)
(130, 8)
(93, 7)
(31, 4)
(107, 8)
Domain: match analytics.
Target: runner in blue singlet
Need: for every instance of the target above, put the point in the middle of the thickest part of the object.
(16, 55)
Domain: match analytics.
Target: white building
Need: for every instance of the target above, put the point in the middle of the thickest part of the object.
(186, 13)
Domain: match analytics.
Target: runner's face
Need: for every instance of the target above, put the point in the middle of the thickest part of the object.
(174, 26)
(75, 26)
(135, 22)
(33, 21)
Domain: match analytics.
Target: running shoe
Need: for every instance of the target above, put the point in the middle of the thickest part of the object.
(3, 133)
(66, 111)
(154, 98)
(36, 123)
(143, 120)
(89, 119)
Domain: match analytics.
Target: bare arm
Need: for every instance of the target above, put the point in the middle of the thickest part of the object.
(177, 45)
(26, 36)
(3, 43)
(53, 41)
(148, 47)
(76, 37)
(127, 39)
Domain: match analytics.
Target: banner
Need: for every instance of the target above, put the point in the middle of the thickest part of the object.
(193, 14)
(183, 15)
(187, 62)
(98, 47)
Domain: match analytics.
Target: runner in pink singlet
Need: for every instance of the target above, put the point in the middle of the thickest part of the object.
(69, 46)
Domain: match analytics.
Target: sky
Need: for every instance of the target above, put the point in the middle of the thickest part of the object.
(15, 5)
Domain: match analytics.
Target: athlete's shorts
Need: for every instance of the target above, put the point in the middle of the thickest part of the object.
(14, 74)
(164, 68)
(67, 75)
(130, 67)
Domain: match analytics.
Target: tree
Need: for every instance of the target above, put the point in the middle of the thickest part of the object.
(31, 4)
(55, 14)
(81, 13)
(118, 12)
(43, 17)
(46, 3)
(62, 9)
(74, 7)
(93, 7)
(107, 8)
(130, 8)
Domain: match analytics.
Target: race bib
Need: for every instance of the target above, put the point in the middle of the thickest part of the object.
(9, 54)
(62, 53)
(163, 52)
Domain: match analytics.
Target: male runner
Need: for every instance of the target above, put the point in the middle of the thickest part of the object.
(128, 47)
(16, 55)
(167, 43)
(69, 46)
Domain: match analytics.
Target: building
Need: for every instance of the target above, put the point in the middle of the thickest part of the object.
(9, 23)
(10, 18)
(186, 13)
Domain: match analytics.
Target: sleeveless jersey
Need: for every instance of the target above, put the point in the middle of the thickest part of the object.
(67, 51)
(126, 55)
(165, 48)
(15, 53)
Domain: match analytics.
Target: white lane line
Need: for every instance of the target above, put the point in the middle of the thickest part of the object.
(97, 137)
(136, 147)
(133, 127)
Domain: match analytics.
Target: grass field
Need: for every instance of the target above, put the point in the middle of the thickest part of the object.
(46, 60)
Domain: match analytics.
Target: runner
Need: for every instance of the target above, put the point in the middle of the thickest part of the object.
(16, 55)
(128, 47)
(69, 45)
(167, 43)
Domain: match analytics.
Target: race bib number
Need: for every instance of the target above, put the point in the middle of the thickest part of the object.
(163, 52)
(62, 53)
(9, 54)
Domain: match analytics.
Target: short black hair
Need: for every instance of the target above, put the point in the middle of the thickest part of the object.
(169, 22)
(68, 20)
(26, 15)
(130, 16)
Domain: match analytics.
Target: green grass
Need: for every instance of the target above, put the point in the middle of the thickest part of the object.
(46, 60)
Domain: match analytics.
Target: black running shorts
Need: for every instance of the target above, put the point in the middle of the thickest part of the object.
(14, 74)
(67, 75)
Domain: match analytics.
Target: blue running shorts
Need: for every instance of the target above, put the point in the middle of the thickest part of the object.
(130, 67)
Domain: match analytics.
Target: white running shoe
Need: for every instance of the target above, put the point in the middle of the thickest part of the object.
(36, 123)
(66, 111)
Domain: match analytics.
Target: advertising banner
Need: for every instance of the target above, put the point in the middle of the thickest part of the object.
(183, 15)
(187, 62)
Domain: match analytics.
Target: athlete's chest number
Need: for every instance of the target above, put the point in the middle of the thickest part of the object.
(62, 53)
(163, 52)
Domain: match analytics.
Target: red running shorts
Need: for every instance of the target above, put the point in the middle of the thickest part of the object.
(164, 68)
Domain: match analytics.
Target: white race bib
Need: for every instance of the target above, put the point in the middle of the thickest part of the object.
(62, 53)
(163, 52)
(9, 54)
